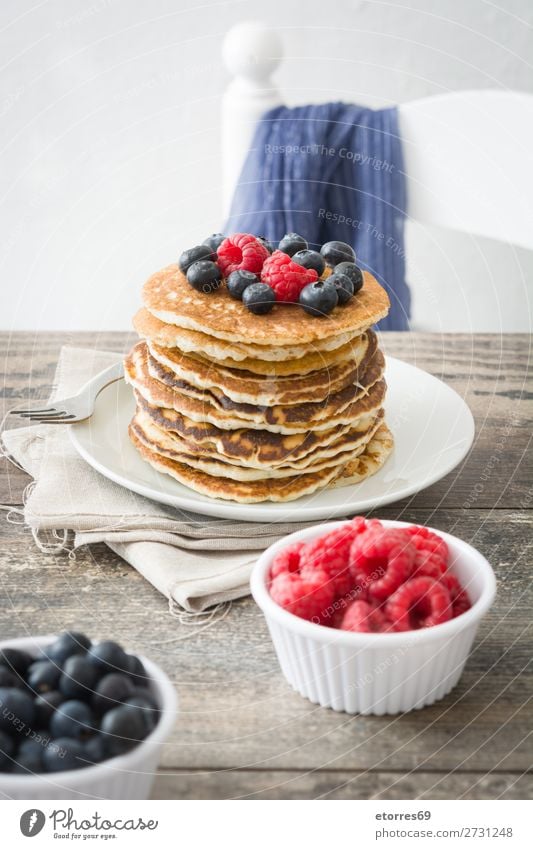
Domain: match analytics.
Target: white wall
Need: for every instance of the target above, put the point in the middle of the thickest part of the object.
(109, 162)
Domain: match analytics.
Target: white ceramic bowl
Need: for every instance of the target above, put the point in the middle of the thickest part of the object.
(128, 776)
(375, 673)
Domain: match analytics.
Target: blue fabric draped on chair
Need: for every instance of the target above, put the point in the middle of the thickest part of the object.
(331, 171)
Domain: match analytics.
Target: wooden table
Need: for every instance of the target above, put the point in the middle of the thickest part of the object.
(242, 732)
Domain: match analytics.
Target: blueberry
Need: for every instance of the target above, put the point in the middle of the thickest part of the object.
(318, 298)
(67, 644)
(42, 676)
(238, 281)
(29, 757)
(310, 259)
(17, 711)
(63, 754)
(291, 243)
(137, 671)
(108, 656)
(214, 241)
(354, 273)
(79, 677)
(45, 705)
(343, 285)
(15, 660)
(96, 749)
(111, 691)
(147, 704)
(267, 243)
(72, 719)
(123, 727)
(8, 678)
(204, 276)
(7, 747)
(259, 298)
(335, 252)
(194, 255)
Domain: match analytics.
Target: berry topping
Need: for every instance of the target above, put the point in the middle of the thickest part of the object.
(335, 252)
(343, 285)
(267, 243)
(286, 277)
(291, 243)
(214, 241)
(242, 251)
(194, 255)
(365, 618)
(419, 603)
(238, 281)
(259, 298)
(310, 259)
(319, 298)
(204, 276)
(381, 560)
(353, 272)
(306, 596)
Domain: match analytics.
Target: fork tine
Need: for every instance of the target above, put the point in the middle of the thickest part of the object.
(37, 410)
(53, 414)
(51, 419)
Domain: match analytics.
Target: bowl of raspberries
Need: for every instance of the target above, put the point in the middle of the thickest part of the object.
(372, 616)
(80, 719)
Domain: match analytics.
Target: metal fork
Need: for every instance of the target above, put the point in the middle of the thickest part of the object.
(78, 407)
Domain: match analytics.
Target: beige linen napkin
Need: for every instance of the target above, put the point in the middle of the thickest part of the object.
(195, 561)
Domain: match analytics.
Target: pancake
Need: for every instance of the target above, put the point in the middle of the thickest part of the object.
(169, 297)
(163, 444)
(177, 371)
(194, 341)
(369, 461)
(249, 492)
(254, 448)
(341, 408)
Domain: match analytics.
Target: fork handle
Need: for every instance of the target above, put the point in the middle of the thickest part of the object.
(104, 378)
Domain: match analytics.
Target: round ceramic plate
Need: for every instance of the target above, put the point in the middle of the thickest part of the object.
(432, 426)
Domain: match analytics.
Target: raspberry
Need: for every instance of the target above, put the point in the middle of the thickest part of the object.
(307, 597)
(287, 560)
(241, 252)
(364, 617)
(286, 277)
(330, 554)
(461, 603)
(382, 560)
(419, 603)
(459, 597)
(426, 541)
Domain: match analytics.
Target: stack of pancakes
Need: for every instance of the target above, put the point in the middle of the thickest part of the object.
(255, 408)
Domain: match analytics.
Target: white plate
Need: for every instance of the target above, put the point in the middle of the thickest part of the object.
(432, 426)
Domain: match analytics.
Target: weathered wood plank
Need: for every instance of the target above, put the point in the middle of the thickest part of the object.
(331, 784)
(236, 709)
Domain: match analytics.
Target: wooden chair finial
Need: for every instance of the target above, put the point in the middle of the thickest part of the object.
(252, 51)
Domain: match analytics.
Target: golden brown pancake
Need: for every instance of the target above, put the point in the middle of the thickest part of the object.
(195, 342)
(248, 492)
(179, 371)
(168, 296)
(165, 444)
(341, 408)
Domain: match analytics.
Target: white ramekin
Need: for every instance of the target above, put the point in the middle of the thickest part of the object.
(375, 673)
(128, 776)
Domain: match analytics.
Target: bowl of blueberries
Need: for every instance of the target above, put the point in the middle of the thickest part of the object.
(80, 719)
